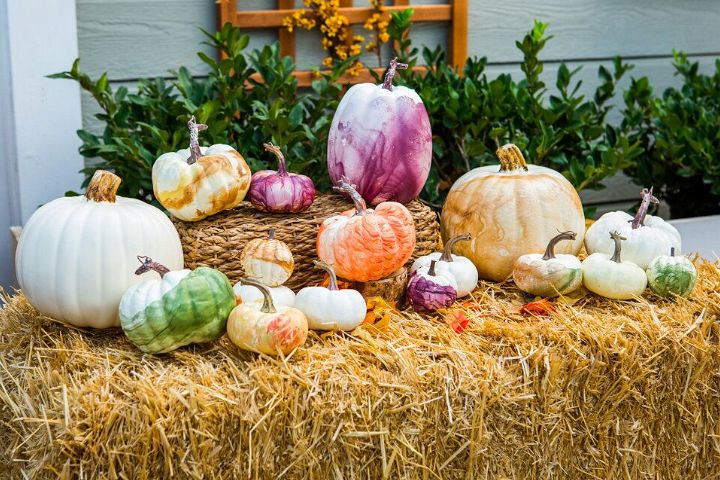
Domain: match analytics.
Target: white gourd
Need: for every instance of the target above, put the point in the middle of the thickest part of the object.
(611, 277)
(77, 255)
(549, 275)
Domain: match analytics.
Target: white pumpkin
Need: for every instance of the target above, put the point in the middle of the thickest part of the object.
(281, 296)
(77, 255)
(549, 275)
(611, 277)
(197, 182)
(462, 268)
(331, 308)
(647, 236)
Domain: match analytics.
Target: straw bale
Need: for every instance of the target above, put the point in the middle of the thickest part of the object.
(598, 390)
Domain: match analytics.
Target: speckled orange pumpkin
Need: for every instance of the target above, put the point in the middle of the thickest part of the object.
(364, 244)
(511, 210)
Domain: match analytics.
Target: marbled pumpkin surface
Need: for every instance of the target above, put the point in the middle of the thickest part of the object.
(510, 214)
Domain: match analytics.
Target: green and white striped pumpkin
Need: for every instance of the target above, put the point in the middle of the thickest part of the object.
(180, 308)
(669, 275)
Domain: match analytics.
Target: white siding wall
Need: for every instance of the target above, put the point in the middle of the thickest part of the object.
(136, 38)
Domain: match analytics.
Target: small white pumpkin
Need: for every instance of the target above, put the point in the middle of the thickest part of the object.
(549, 275)
(331, 308)
(462, 268)
(670, 275)
(610, 276)
(77, 255)
(647, 236)
(282, 296)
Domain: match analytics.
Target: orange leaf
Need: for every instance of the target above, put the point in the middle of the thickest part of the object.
(379, 313)
(457, 320)
(542, 308)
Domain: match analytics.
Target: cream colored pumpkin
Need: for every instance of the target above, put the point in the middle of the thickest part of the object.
(611, 277)
(197, 182)
(548, 275)
(509, 211)
(77, 255)
(267, 260)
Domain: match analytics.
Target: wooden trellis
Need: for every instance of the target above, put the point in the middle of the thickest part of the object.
(455, 13)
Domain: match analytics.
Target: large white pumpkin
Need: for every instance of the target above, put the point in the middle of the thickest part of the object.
(511, 210)
(77, 255)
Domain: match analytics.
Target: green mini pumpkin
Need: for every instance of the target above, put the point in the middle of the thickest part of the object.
(180, 308)
(669, 275)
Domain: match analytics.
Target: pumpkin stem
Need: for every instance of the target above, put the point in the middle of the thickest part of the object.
(194, 128)
(103, 186)
(282, 166)
(394, 65)
(268, 306)
(447, 250)
(618, 246)
(346, 187)
(550, 250)
(330, 271)
(647, 199)
(511, 158)
(147, 264)
(271, 234)
(431, 270)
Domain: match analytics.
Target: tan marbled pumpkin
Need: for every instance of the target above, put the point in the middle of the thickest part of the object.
(511, 210)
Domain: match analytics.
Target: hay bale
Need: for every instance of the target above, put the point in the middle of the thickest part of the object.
(600, 389)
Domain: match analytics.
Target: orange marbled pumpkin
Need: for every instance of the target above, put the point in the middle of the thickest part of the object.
(365, 244)
(509, 211)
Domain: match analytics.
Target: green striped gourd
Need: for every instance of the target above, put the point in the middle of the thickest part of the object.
(670, 275)
(180, 308)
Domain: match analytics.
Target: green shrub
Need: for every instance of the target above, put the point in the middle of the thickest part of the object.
(680, 133)
(471, 114)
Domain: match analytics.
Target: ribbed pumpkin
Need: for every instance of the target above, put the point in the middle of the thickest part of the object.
(365, 244)
(267, 260)
(510, 210)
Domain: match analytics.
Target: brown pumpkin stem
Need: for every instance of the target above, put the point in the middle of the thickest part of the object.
(550, 250)
(271, 234)
(148, 264)
(431, 270)
(268, 306)
(194, 128)
(333, 285)
(447, 250)
(618, 246)
(347, 188)
(511, 158)
(392, 70)
(103, 186)
(282, 166)
(647, 199)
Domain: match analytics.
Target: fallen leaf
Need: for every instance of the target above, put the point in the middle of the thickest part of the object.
(379, 313)
(542, 308)
(457, 320)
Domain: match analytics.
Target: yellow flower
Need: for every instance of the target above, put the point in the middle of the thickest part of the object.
(384, 37)
(328, 62)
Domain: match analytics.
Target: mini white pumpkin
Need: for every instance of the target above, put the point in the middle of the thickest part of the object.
(462, 268)
(197, 182)
(549, 275)
(610, 276)
(282, 296)
(77, 255)
(647, 236)
(331, 308)
(670, 275)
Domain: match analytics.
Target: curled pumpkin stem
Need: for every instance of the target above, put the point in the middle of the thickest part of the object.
(511, 158)
(344, 186)
(431, 270)
(647, 198)
(618, 246)
(268, 305)
(195, 128)
(333, 285)
(392, 70)
(550, 250)
(148, 264)
(447, 250)
(282, 166)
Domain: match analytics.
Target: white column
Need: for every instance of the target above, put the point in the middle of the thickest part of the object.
(39, 160)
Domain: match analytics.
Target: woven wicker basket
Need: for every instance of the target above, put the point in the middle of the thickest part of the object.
(217, 241)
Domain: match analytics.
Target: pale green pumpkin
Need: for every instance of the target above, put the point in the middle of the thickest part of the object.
(669, 275)
(180, 308)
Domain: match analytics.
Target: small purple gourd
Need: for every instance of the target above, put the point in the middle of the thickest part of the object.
(281, 191)
(380, 140)
(429, 290)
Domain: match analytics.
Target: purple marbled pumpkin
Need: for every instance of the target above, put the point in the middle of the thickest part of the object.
(429, 290)
(380, 140)
(281, 191)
